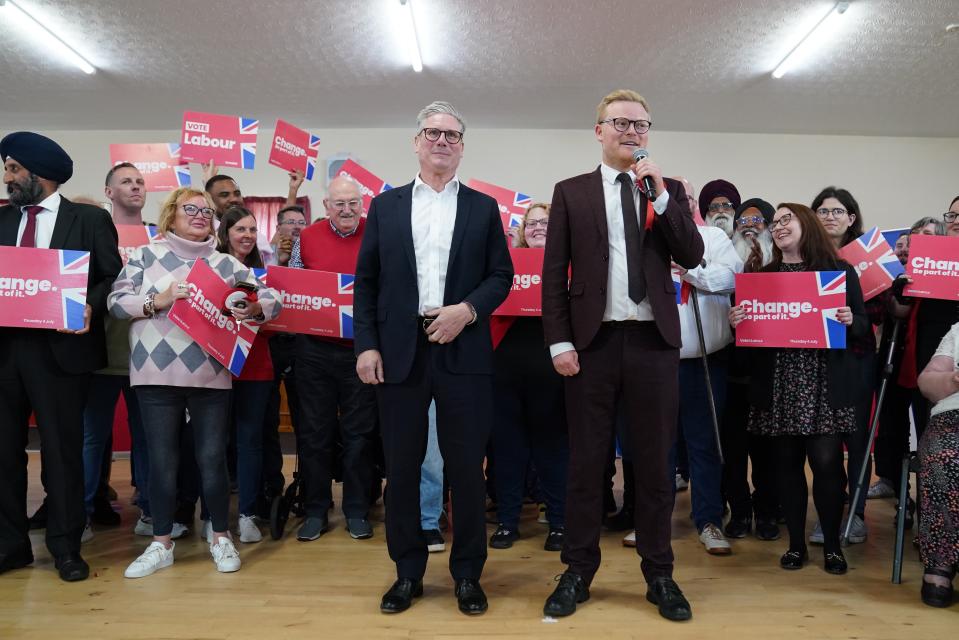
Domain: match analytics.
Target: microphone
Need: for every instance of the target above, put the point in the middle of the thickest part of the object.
(648, 186)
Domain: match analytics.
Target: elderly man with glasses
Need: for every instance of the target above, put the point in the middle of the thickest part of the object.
(718, 202)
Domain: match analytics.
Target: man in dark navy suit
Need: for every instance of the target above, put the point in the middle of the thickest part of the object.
(432, 267)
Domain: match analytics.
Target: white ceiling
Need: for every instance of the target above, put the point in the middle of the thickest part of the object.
(704, 65)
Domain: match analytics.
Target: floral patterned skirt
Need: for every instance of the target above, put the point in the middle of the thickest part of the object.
(939, 491)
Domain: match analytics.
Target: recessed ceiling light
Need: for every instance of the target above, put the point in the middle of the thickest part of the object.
(41, 34)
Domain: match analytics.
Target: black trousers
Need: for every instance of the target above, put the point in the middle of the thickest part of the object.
(463, 417)
(283, 353)
(327, 385)
(31, 380)
(739, 447)
(892, 441)
(632, 362)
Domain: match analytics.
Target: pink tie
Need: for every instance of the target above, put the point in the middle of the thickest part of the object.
(28, 239)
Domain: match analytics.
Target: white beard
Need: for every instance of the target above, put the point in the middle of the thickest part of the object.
(721, 221)
(744, 246)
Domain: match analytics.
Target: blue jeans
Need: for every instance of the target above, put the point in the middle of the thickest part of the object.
(431, 479)
(162, 408)
(97, 428)
(696, 425)
(250, 399)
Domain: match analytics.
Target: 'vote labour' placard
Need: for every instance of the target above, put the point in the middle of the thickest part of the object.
(229, 141)
(795, 310)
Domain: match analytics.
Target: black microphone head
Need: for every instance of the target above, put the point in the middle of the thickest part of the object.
(640, 154)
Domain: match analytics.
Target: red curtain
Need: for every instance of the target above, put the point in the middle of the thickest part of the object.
(264, 209)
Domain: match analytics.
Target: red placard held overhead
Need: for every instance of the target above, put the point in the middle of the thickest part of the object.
(512, 204)
(229, 141)
(934, 267)
(526, 296)
(294, 149)
(203, 317)
(875, 263)
(315, 302)
(161, 164)
(795, 310)
(370, 185)
(43, 288)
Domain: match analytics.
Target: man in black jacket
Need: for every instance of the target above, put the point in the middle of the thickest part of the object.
(44, 371)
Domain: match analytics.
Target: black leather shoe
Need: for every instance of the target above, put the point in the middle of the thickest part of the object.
(835, 563)
(15, 560)
(72, 567)
(470, 596)
(39, 518)
(767, 529)
(401, 594)
(936, 595)
(793, 559)
(555, 539)
(103, 513)
(503, 537)
(737, 527)
(665, 593)
(570, 591)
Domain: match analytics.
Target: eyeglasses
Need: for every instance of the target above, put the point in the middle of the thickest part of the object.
(452, 136)
(191, 210)
(783, 221)
(950, 216)
(294, 223)
(836, 213)
(340, 205)
(716, 207)
(532, 224)
(622, 124)
(743, 220)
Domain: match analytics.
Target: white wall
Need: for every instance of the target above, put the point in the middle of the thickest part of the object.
(896, 180)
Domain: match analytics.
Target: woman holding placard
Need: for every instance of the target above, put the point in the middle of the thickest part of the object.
(805, 398)
(172, 374)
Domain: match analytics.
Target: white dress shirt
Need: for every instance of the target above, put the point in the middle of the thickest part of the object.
(619, 306)
(46, 220)
(432, 218)
(714, 283)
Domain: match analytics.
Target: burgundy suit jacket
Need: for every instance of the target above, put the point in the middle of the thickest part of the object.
(576, 266)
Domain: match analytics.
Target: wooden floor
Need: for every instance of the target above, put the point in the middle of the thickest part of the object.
(330, 588)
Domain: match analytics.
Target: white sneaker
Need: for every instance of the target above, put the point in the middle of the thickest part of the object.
(630, 539)
(816, 536)
(155, 557)
(857, 533)
(714, 541)
(681, 483)
(881, 489)
(87, 534)
(179, 530)
(225, 555)
(206, 531)
(249, 532)
(144, 526)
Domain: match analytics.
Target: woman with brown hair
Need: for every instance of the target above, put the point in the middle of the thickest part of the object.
(805, 398)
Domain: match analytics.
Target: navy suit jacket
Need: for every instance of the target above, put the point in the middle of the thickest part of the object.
(386, 295)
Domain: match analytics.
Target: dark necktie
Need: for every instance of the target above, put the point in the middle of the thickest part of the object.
(634, 264)
(29, 237)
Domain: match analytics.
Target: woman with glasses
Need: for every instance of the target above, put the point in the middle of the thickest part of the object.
(841, 217)
(251, 389)
(172, 374)
(804, 399)
(530, 411)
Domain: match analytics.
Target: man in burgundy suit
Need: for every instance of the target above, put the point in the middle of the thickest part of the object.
(611, 322)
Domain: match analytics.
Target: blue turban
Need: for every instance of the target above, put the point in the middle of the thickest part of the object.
(38, 155)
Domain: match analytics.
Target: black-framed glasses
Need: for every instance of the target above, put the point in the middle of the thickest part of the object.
(294, 223)
(542, 222)
(192, 210)
(622, 124)
(340, 205)
(950, 216)
(743, 220)
(837, 213)
(433, 134)
(785, 219)
(716, 207)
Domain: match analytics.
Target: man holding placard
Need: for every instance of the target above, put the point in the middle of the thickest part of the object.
(48, 372)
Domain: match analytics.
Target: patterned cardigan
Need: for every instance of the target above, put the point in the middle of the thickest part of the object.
(160, 352)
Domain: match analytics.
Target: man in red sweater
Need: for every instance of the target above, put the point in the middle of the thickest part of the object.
(326, 379)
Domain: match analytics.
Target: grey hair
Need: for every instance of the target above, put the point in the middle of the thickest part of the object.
(436, 107)
(940, 227)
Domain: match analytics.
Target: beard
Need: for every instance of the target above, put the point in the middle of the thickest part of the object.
(745, 245)
(23, 194)
(721, 221)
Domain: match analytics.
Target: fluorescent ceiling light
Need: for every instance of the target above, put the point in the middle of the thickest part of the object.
(43, 36)
(409, 36)
(826, 26)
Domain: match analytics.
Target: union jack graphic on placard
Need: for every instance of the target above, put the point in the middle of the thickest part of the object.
(311, 158)
(831, 282)
(346, 283)
(874, 261)
(515, 220)
(248, 130)
(346, 321)
(522, 200)
(244, 342)
(73, 300)
(678, 285)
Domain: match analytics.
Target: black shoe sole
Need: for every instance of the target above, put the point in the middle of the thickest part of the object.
(675, 618)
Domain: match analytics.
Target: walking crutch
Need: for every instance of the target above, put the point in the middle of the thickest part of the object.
(709, 387)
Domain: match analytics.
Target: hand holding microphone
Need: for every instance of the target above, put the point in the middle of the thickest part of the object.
(648, 174)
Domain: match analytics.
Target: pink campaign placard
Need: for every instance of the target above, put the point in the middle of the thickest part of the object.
(526, 296)
(370, 185)
(795, 310)
(132, 236)
(294, 149)
(229, 141)
(319, 303)
(161, 164)
(874, 261)
(202, 317)
(934, 267)
(43, 288)
(512, 204)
